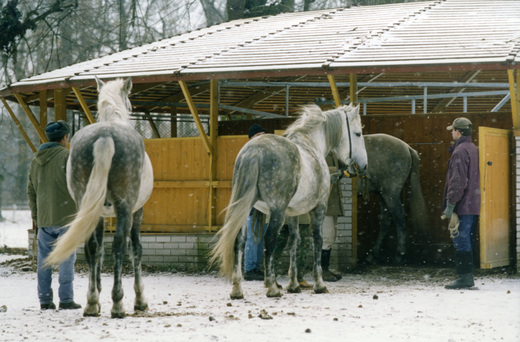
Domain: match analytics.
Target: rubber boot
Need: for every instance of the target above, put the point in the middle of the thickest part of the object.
(464, 269)
(325, 261)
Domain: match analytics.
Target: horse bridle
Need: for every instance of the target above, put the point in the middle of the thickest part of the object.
(350, 161)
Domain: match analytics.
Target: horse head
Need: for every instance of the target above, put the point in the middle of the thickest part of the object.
(113, 99)
(350, 151)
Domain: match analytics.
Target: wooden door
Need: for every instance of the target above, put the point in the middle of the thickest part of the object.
(495, 185)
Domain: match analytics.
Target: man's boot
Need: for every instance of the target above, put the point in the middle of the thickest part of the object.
(325, 261)
(464, 269)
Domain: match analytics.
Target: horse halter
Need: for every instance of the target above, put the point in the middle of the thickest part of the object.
(350, 161)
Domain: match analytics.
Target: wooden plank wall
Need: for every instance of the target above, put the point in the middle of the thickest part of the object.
(179, 201)
(428, 135)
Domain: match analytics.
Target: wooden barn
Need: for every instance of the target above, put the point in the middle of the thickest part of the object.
(412, 67)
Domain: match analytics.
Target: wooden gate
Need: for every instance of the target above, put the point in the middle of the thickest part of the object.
(495, 184)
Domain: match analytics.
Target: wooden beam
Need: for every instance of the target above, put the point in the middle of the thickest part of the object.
(152, 124)
(335, 91)
(43, 109)
(88, 113)
(194, 91)
(195, 114)
(30, 115)
(213, 134)
(173, 122)
(444, 103)
(15, 119)
(514, 98)
(518, 95)
(353, 89)
(60, 105)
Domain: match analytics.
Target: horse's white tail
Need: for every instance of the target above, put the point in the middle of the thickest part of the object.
(417, 204)
(91, 205)
(243, 194)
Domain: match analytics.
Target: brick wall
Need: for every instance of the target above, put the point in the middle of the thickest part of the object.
(185, 251)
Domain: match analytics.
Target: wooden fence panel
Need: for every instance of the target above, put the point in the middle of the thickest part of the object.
(179, 201)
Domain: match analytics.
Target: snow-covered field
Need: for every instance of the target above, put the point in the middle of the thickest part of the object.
(383, 304)
(13, 231)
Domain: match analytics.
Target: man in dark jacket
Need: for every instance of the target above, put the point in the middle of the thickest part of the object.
(52, 208)
(462, 197)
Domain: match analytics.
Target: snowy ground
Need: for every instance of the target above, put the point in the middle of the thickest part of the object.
(13, 230)
(380, 304)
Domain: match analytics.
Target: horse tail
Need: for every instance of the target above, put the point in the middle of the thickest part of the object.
(417, 203)
(91, 206)
(243, 196)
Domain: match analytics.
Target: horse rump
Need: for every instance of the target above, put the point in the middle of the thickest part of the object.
(90, 205)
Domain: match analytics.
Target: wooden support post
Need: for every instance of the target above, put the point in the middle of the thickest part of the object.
(173, 122)
(60, 106)
(152, 124)
(353, 89)
(195, 114)
(354, 101)
(15, 119)
(90, 118)
(43, 110)
(30, 115)
(213, 134)
(335, 91)
(514, 97)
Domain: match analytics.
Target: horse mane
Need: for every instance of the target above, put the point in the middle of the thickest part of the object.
(312, 118)
(111, 102)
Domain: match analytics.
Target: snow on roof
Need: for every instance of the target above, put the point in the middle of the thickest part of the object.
(443, 32)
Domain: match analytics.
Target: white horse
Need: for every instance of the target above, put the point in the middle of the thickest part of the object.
(109, 174)
(287, 176)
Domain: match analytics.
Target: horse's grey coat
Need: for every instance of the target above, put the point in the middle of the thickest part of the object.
(287, 176)
(108, 174)
(391, 162)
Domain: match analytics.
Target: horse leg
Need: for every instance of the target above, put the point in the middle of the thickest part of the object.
(94, 255)
(140, 303)
(124, 221)
(399, 216)
(384, 227)
(236, 292)
(293, 242)
(317, 217)
(273, 228)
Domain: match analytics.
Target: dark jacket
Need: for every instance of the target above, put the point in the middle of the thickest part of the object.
(463, 179)
(49, 199)
(335, 203)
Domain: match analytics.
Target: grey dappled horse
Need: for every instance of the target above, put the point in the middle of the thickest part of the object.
(391, 162)
(109, 174)
(287, 176)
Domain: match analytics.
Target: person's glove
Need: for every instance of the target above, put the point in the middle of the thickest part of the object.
(335, 177)
(449, 211)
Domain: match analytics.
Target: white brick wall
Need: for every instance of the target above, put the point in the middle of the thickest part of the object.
(342, 253)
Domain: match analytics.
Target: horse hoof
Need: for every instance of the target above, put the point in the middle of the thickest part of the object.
(274, 293)
(297, 289)
(92, 311)
(371, 260)
(236, 296)
(118, 314)
(142, 307)
(321, 290)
